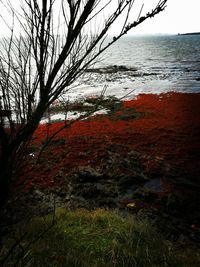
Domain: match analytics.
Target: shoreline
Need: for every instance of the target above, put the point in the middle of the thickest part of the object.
(57, 115)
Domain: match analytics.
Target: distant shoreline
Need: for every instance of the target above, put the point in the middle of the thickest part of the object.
(190, 33)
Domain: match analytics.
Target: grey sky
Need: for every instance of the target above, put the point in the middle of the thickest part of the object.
(180, 16)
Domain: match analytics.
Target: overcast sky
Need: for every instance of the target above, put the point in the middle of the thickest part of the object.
(180, 16)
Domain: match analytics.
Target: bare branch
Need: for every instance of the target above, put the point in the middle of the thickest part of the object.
(54, 43)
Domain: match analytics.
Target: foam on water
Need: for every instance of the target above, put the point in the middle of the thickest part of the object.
(151, 64)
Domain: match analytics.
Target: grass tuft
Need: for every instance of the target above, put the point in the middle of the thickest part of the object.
(92, 239)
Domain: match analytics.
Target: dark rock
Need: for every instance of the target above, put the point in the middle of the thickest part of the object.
(145, 195)
(95, 191)
(111, 69)
(88, 174)
(128, 180)
(154, 185)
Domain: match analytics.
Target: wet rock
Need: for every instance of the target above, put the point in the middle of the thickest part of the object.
(154, 185)
(95, 190)
(146, 195)
(112, 69)
(88, 191)
(127, 192)
(133, 179)
(88, 174)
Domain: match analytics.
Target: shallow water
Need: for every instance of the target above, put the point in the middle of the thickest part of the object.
(151, 64)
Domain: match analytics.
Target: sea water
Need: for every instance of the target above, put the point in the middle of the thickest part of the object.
(144, 64)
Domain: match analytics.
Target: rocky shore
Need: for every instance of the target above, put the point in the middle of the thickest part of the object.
(140, 158)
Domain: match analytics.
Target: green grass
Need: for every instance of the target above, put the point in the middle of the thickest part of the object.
(93, 239)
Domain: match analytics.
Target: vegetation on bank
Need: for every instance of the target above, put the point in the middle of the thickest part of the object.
(111, 161)
(90, 107)
(93, 238)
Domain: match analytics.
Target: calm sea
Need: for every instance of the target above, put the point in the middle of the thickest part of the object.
(150, 64)
(144, 64)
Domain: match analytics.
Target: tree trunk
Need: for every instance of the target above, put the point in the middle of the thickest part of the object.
(5, 178)
(4, 188)
(12, 150)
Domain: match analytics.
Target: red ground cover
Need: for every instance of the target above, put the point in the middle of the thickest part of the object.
(167, 130)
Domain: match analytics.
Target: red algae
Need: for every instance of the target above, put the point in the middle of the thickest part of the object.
(168, 129)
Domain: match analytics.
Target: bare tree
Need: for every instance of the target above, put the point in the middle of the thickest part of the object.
(56, 43)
